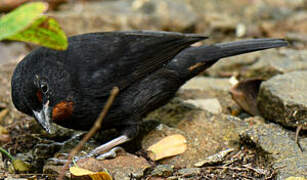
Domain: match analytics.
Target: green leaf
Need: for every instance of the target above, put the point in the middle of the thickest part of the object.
(21, 18)
(20, 165)
(44, 31)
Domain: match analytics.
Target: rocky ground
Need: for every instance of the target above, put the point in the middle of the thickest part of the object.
(254, 122)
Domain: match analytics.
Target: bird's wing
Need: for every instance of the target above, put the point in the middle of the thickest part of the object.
(121, 58)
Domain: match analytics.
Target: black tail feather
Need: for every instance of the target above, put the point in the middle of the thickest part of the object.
(246, 46)
(194, 60)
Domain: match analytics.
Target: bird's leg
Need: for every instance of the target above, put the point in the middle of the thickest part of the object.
(109, 149)
(110, 154)
(128, 132)
(100, 149)
(109, 145)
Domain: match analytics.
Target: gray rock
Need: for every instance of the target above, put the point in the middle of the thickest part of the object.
(297, 37)
(279, 143)
(76, 18)
(207, 83)
(189, 171)
(212, 105)
(262, 64)
(215, 158)
(234, 65)
(278, 62)
(163, 170)
(283, 99)
(172, 113)
(209, 88)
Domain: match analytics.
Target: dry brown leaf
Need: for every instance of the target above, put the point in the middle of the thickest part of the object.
(4, 135)
(4, 138)
(101, 176)
(3, 113)
(80, 172)
(245, 94)
(3, 130)
(167, 147)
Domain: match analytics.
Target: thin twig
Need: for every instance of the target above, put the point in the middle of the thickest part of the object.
(92, 131)
(297, 133)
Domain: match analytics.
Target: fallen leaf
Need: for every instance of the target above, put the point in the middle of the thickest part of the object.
(4, 135)
(79, 171)
(3, 113)
(4, 138)
(20, 166)
(3, 130)
(296, 178)
(211, 104)
(245, 94)
(167, 147)
(85, 174)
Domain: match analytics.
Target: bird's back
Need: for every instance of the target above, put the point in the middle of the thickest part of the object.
(104, 60)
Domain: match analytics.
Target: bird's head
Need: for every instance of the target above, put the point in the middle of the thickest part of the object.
(41, 87)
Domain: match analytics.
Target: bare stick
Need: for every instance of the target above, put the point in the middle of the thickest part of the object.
(92, 131)
(297, 133)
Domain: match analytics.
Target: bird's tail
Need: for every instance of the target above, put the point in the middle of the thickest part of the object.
(245, 46)
(194, 60)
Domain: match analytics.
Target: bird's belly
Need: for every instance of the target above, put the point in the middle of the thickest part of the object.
(132, 103)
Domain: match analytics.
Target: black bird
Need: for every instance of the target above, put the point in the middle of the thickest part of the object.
(71, 87)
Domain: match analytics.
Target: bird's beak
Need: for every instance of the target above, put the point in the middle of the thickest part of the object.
(44, 118)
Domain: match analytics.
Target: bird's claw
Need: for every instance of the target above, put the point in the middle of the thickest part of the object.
(57, 161)
(107, 155)
(110, 154)
(61, 161)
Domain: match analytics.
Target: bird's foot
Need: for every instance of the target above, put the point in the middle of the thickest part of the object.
(110, 154)
(109, 146)
(108, 149)
(61, 158)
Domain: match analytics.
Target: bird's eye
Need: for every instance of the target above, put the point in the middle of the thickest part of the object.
(44, 88)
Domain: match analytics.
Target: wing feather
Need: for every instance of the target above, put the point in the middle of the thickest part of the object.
(121, 58)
